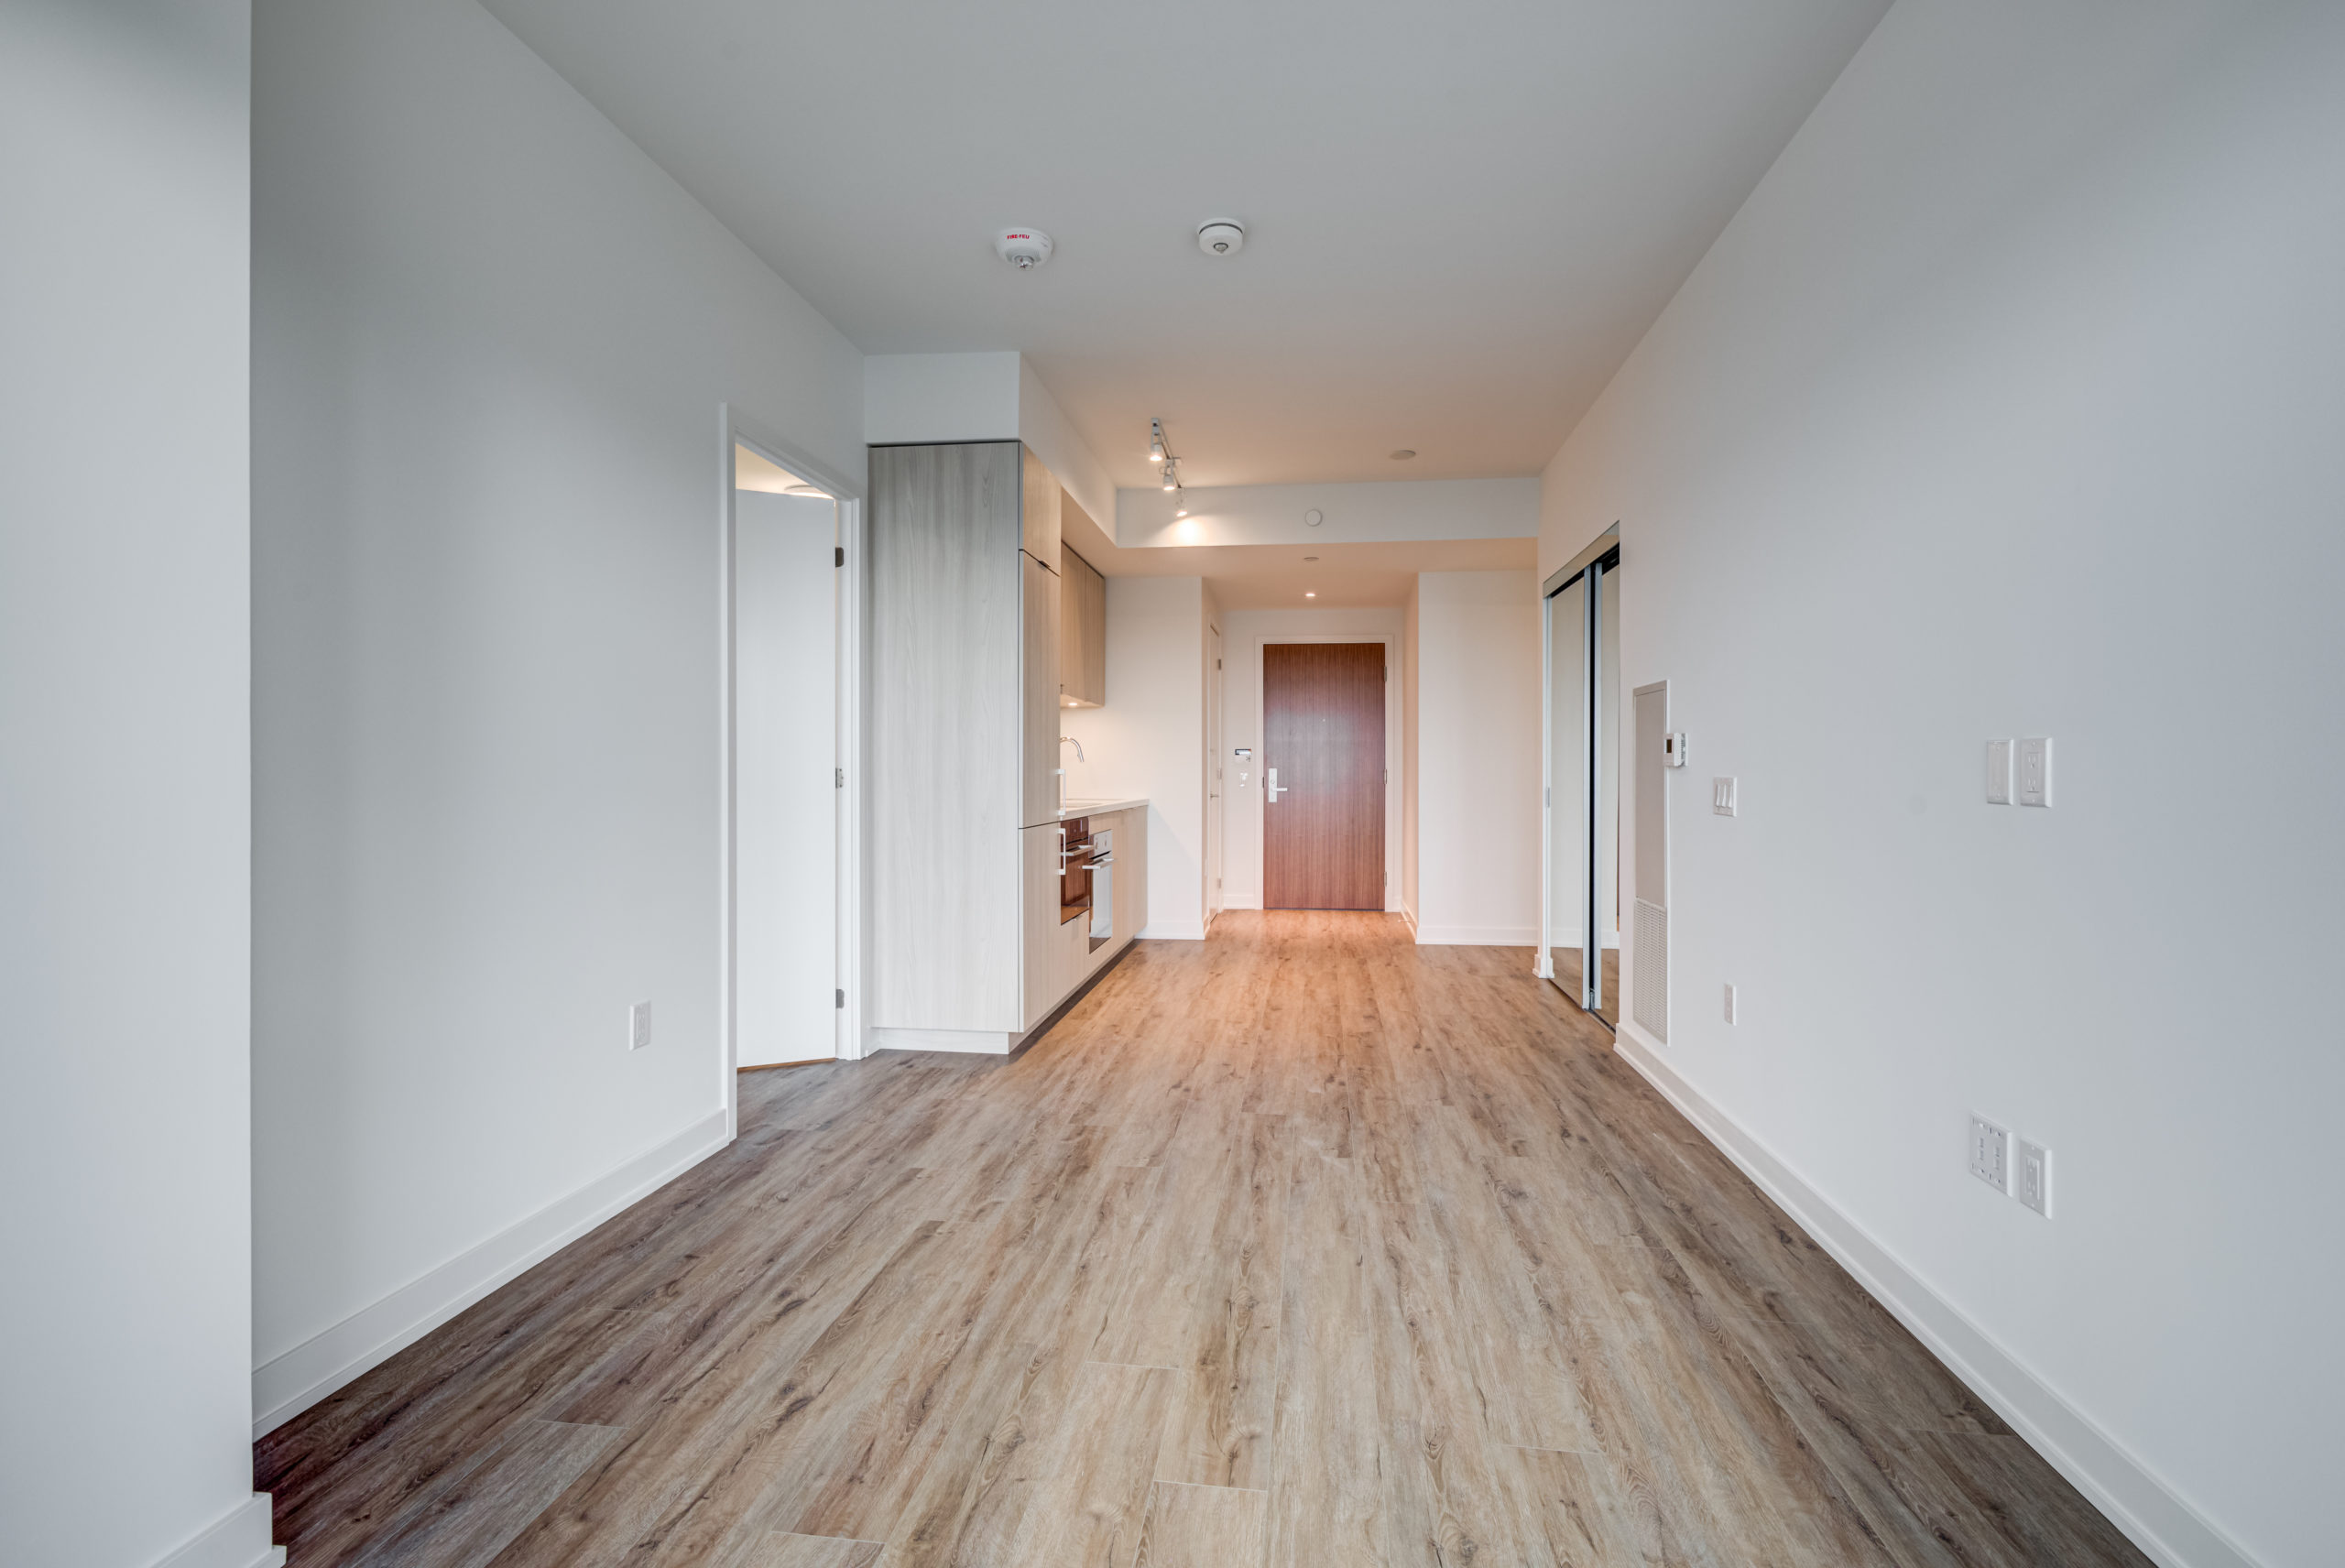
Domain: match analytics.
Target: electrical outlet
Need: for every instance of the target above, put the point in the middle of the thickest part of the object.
(1722, 797)
(1730, 1004)
(2035, 1177)
(2035, 771)
(1999, 773)
(638, 1025)
(1991, 1149)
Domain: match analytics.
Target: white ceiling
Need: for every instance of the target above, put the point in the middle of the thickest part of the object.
(1460, 217)
(1298, 576)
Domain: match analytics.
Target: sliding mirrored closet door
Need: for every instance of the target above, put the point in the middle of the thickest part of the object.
(1583, 836)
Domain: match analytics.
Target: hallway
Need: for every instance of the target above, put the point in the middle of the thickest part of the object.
(1300, 1246)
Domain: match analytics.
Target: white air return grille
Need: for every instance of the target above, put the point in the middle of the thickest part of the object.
(1652, 960)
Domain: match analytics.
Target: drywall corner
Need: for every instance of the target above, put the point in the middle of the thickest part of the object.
(1042, 425)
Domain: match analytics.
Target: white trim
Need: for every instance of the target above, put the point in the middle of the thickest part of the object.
(239, 1539)
(1394, 777)
(286, 1386)
(980, 1042)
(1241, 901)
(1476, 936)
(849, 976)
(2152, 1513)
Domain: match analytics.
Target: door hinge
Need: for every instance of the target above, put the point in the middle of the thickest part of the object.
(838, 778)
(839, 558)
(842, 1001)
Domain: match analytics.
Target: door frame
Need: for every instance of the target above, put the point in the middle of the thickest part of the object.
(734, 429)
(1392, 642)
(1216, 771)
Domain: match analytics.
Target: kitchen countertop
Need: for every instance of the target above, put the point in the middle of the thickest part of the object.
(1101, 807)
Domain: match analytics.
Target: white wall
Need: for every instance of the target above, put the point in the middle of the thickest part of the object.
(1150, 738)
(125, 785)
(491, 343)
(2008, 406)
(1242, 726)
(912, 399)
(1478, 772)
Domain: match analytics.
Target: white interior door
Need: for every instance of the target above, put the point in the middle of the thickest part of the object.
(785, 800)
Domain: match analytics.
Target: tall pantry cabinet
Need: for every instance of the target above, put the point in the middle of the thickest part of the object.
(964, 799)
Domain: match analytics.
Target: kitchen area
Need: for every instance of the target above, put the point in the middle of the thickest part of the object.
(996, 899)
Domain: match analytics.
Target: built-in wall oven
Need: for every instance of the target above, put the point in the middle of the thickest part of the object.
(1087, 879)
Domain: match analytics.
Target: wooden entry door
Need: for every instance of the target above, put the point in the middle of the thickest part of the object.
(1323, 742)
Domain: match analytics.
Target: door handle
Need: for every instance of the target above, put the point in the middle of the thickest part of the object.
(1270, 790)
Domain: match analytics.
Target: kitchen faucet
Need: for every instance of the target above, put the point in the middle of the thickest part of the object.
(1068, 740)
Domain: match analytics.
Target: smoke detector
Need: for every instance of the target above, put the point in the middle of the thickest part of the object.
(1024, 249)
(1222, 238)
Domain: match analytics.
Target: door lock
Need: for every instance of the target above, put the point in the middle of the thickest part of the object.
(1270, 789)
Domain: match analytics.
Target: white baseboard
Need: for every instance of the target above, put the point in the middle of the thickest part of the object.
(1174, 931)
(1241, 901)
(1408, 915)
(292, 1383)
(981, 1042)
(240, 1539)
(2152, 1513)
(1476, 936)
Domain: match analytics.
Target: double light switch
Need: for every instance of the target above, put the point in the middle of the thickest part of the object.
(2021, 770)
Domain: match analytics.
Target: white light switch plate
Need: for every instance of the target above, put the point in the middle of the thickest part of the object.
(2034, 1187)
(638, 1025)
(1990, 1154)
(1722, 797)
(1730, 1004)
(2035, 771)
(1999, 773)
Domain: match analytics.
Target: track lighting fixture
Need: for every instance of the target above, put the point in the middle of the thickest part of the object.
(1167, 472)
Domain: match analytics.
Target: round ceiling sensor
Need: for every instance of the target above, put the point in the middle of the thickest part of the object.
(1314, 517)
(1024, 249)
(1403, 454)
(1222, 238)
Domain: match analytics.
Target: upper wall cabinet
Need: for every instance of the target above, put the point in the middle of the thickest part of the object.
(1083, 633)
(1039, 506)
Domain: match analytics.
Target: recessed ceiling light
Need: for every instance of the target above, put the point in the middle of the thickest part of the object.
(1309, 595)
(1404, 455)
(1309, 559)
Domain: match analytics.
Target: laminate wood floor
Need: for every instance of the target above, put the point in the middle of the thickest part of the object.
(1298, 1246)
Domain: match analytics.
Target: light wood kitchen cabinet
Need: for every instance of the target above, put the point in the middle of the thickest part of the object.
(1131, 879)
(943, 794)
(1039, 859)
(1039, 609)
(967, 620)
(1038, 510)
(1083, 640)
